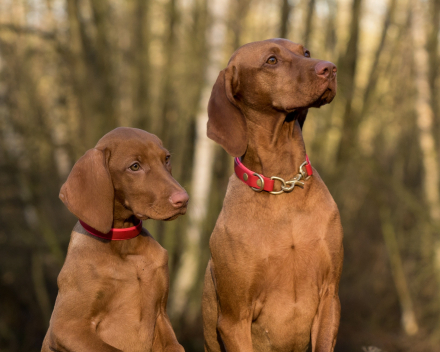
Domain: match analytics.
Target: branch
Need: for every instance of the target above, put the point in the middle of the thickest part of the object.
(28, 30)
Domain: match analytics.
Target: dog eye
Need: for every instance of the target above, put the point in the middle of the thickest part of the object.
(135, 167)
(167, 158)
(307, 53)
(272, 60)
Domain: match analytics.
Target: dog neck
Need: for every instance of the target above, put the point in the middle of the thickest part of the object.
(276, 146)
(122, 216)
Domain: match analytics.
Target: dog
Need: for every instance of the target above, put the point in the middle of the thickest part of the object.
(276, 250)
(113, 287)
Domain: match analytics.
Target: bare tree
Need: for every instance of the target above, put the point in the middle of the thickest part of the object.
(425, 123)
(286, 10)
(141, 65)
(202, 169)
(309, 21)
(408, 320)
(347, 80)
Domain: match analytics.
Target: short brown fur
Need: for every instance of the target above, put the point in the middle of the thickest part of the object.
(272, 281)
(113, 294)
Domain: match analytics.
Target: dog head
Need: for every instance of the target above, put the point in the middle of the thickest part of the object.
(129, 169)
(267, 77)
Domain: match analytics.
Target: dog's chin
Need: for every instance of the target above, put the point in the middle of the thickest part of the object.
(326, 98)
(180, 211)
(174, 217)
(163, 217)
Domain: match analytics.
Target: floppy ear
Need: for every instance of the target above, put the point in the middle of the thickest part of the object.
(88, 192)
(302, 117)
(226, 124)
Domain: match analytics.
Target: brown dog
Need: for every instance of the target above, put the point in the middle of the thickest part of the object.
(113, 294)
(272, 281)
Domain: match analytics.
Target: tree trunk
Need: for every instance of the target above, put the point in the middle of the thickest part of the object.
(286, 9)
(309, 18)
(202, 168)
(425, 114)
(41, 293)
(105, 116)
(408, 320)
(425, 123)
(330, 37)
(432, 46)
(140, 51)
(374, 71)
(168, 95)
(347, 73)
(237, 15)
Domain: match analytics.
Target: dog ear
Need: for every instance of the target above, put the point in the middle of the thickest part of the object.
(226, 124)
(88, 192)
(302, 117)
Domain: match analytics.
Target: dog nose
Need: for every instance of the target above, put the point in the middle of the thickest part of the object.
(179, 199)
(325, 69)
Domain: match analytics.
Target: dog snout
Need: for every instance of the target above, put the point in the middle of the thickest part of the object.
(179, 199)
(325, 69)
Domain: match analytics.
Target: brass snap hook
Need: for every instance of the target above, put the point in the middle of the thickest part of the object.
(282, 186)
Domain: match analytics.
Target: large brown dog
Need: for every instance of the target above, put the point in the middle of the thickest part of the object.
(113, 294)
(272, 281)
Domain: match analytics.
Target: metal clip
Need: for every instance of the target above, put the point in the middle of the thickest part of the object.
(286, 186)
(294, 182)
(282, 186)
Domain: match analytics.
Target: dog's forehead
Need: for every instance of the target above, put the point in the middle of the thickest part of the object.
(294, 47)
(122, 133)
(126, 140)
(255, 49)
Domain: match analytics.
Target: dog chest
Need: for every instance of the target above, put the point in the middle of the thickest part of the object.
(118, 296)
(284, 325)
(130, 318)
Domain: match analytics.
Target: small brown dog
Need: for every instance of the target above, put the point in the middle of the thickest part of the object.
(272, 281)
(113, 287)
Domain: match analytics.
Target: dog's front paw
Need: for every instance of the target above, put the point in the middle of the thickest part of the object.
(175, 348)
(371, 349)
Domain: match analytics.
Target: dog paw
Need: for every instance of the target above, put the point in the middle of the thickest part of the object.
(371, 349)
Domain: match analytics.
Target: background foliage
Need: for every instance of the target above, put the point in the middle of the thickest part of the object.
(72, 70)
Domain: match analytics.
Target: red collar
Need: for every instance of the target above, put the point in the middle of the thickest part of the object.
(115, 234)
(260, 183)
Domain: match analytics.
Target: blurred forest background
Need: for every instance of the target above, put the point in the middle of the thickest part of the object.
(72, 70)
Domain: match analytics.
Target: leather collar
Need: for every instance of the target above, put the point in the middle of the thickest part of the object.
(115, 234)
(260, 182)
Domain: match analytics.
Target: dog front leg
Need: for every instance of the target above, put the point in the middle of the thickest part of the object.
(235, 333)
(68, 340)
(164, 337)
(326, 323)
